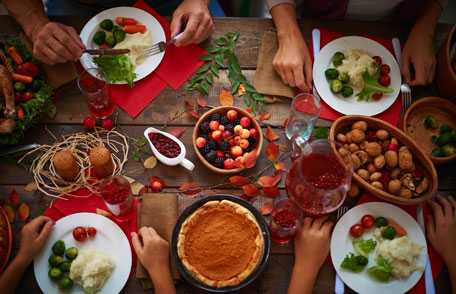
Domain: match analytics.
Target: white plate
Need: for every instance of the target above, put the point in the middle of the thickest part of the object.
(153, 26)
(350, 106)
(110, 239)
(341, 245)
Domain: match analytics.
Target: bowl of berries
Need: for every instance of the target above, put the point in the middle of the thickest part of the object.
(224, 136)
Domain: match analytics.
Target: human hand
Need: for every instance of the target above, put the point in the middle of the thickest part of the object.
(195, 17)
(152, 252)
(56, 43)
(292, 62)
(311, 243)
(419, 54)
(441, 227)
(33, 237)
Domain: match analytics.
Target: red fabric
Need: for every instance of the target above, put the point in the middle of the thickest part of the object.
(83, 200)
(434, 257)
(390, 115)
(177, 66)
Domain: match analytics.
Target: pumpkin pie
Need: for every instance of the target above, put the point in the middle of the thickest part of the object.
(220, 244)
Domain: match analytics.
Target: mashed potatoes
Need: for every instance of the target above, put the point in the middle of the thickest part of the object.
(402, 253)
(356, 62)
(136, 43)
(91, 269)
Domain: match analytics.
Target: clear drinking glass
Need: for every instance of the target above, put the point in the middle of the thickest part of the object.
(305, 110)
(285, 220)
(93, 86)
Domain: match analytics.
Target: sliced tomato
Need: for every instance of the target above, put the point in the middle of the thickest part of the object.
(356, 231)
(367, 221)
(384, 80)
(400, 231)
(80, 234)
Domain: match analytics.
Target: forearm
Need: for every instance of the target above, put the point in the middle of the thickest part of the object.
(163, 282)
(429, 18)
(12, 275)
(28, 13)
(302, 280)
(451, 264)
(284, 17)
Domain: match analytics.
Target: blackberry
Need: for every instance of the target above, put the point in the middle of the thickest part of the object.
(224, 120)
(204, 128)
(211, 156)
(237, 122)
(224, 145)
(229, 127)
(219, 162)
(205, 150)
(212, 144)
(216, 117)
(252, 142)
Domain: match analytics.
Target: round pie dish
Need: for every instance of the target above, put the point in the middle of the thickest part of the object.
(234, 231)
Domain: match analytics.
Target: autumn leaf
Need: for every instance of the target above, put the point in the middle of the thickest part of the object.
(266, 208)
(176, 132)
(241, 90)
(202, 101)
(250, 190)
(270, 134)
(226, 99)
(250, 159)
(279, 166)
(23, 211)
(190, 188)
(264, 116)
(269, 181)
(271, 192)
(239, 180)
(249, 110)
(272, 152)
(189, 106)
(150, 162)
(14, 198)
(194, 114)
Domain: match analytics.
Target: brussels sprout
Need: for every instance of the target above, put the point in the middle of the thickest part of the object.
(336, 86)
(445, 129)
(65, 266)
(59, 248)
(347, 91)
(107, 24)
(65, 283)
(344, 77)
(337, 58)
(99, 37)
(443, 139)
(110, 40)
(381, 222)
(437, 152)
(55, 260)
(331, 73)
(430, 122)
(55, 274)
(389, 233)
(71, 253)
(448, 150)
(119, 35)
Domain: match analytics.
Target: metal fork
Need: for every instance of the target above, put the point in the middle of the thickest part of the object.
(406, 93)
(339, 287)
(160, 46)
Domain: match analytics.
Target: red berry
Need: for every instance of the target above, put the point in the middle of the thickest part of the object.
(89, 122)
(214, 125)
(221, 128)
(216, 135)
(385, 69)
(236, 151)
(245, 122)
(80, 234)
(253, 133)
(226, 134)
(356, 231)
(228, 163)
(92, 232)
(245, 134)
(393, 147)
(384, 80)
(244, 143)
(107, 124)
(200, 142)
(377, 96)
(232, 142)
(231, 115)
(377, 60)
(367, 221)
(220, 153)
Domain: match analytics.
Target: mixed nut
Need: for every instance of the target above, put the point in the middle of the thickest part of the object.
(379, 159)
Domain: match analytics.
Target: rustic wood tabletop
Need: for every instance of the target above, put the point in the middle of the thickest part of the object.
(72, 109)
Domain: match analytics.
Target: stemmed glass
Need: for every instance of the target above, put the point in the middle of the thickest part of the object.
(305, 110)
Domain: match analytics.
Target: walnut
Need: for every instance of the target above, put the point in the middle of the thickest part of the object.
(407, 181)
(341, 138)
(373, 149)
(377, 185)
(363, 157)
(360, 125)
(357, 136)
(362, 145)
(343, 151)
(382, 134)
(363, 173)
(405, 159)
(375, 176)
(394, 186)
(379, 162)
(391, 158)
(355, 161)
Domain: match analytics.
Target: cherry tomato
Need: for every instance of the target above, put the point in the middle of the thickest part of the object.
(80, 234)
(107, 124)
(384, 80)
(27, 96)
(28, 69)
(377, 95)
(89, 122)
(385, 69)
(367, 221)
(356, 231)
(92, 232)
(378, 60)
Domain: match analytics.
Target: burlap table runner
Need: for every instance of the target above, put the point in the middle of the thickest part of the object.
(266, 79)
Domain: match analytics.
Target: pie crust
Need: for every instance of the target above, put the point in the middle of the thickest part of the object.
(220, 244)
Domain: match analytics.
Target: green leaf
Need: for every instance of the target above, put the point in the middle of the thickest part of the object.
(215, 70)
(221, 41)
(219, 60)
(203, 68)
(206, 58)
(210, 79)
(234, 87)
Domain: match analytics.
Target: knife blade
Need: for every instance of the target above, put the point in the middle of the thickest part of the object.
(316, 51)
(428, 278)
(106, 51)
(15, 149)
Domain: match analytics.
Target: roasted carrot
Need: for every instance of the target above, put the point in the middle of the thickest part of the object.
(15, 55)
(132, 29)
(20, 113)
(123, 21)
(22, 78)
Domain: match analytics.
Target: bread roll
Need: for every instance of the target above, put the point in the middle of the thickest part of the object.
(101, 161)
(65, 165)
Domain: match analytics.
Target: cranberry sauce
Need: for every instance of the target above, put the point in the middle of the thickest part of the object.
(166, 146)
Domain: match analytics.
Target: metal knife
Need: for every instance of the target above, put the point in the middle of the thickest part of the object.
(15, 149)
(428, 278)
(316, 51)
(106, 51)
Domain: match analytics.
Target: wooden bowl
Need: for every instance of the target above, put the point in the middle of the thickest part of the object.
(344, 123)
(446, 75)
(412, 123)
(224, 109)
(9, 239)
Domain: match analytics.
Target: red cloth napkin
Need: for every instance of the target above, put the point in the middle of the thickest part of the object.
(177, 66)
(83, 200)
(434, 257)
(390, 115)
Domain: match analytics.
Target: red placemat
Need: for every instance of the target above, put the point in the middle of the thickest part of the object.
(434, 257)
(390, 115)
(177, 66)
(83, 200)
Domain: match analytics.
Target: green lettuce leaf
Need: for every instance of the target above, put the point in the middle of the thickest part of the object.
(354, 263)
(364, 247)
(117, 68)
(383, 271)
(372, 86)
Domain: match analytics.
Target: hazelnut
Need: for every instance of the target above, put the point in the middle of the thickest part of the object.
(371, 168)
(353, 147)
(343, 151)
(394, 186)
(341, 138)
(355, 161)
(360, 125)
(405, 193)
(357, 136)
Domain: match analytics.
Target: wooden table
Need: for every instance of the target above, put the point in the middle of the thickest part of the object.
(72, 110)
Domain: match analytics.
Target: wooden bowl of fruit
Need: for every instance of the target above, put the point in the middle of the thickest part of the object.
(223, 138)
(6, 239)
(431, 123)
(386, 162)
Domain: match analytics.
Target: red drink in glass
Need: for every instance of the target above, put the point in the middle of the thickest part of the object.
(96, 91)
(116, 192)
(285, 219)
(318, 181)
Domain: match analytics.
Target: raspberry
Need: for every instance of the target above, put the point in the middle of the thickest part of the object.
(224, 145)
